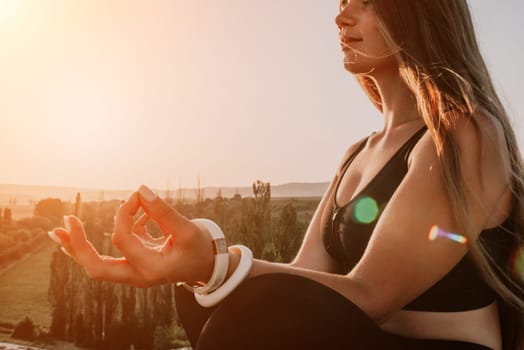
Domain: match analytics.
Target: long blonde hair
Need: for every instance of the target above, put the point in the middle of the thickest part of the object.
(440, 61)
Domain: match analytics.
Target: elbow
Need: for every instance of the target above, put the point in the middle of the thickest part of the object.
(299, 264)
(370, 300)
(373, 310)
(294, 263)
(382, 318)
(314, 264)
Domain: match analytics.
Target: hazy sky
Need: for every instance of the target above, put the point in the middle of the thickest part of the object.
(115, 93)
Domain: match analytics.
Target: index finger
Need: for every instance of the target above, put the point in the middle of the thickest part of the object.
(125, 214)
(123, 237)
(161, 212)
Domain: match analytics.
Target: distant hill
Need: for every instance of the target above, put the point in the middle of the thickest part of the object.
(29, 194)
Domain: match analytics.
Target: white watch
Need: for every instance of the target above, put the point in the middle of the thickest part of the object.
(221, 259)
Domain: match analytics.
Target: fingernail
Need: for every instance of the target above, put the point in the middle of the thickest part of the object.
(65, 252)
(146, 193)
(67, 225)
(54, 237)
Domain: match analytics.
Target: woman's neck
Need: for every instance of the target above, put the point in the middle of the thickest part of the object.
(399, 105)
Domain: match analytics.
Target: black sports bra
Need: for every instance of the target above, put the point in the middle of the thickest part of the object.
(348, 228)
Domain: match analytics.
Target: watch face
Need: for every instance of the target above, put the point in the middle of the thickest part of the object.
(219, 246)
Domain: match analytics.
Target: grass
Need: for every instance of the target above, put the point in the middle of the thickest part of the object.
(23, 289)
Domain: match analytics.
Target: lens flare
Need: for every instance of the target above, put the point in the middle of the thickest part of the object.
(436, 232)
(517, 263)
(433, 233)
(366, 210)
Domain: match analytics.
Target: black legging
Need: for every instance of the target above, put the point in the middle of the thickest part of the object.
(281, 311)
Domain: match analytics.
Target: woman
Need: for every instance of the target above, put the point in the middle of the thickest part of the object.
(446, 164)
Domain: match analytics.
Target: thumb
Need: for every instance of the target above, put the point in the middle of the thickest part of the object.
(160, 212)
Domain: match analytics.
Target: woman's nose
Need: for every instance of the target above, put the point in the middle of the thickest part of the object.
(345, 19)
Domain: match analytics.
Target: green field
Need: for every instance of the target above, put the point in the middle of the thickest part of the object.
(23, 289)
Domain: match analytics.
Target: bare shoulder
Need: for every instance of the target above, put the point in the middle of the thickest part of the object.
(483, 162)
(482, 137)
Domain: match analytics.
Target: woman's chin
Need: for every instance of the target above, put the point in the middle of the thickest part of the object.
(355, 68)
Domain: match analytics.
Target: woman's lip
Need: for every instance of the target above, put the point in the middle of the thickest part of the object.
(346, 44)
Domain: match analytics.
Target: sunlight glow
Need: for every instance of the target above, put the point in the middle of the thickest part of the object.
(9, 10)
(114, 93)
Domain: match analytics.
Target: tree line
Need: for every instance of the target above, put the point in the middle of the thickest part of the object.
(20, 237)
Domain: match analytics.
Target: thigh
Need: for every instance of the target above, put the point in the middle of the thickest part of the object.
(281, 311)
(191, 315)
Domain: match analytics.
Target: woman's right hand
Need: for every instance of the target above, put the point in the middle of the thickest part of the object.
(184, 254)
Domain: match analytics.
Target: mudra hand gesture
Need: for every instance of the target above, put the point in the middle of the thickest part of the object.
(184, 253)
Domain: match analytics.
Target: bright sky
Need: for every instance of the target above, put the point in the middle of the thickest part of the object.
(115, 93)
